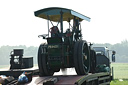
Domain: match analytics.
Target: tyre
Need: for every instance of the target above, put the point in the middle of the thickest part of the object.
(40, 50)
(44, 69)
(81, 57)
(76, 62)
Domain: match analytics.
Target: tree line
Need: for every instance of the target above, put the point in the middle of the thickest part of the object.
(120, 48)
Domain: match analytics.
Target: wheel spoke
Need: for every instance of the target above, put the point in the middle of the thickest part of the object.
(84, 57)
(85, 67)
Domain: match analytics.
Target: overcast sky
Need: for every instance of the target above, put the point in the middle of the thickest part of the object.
(19, 26)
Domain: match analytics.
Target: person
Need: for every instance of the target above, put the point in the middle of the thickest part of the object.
(54, 31)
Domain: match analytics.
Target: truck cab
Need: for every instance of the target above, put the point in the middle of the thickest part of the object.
(102, 56)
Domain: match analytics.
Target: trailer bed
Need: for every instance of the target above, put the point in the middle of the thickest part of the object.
(17, 72)
(68, 78)
(97, 78)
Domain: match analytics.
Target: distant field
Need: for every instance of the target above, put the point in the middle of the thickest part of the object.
(4, 66)
(120, 70)
(120, 74)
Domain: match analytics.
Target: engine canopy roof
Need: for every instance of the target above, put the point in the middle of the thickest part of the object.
(54, 14)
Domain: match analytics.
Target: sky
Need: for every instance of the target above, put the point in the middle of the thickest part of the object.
(19, 26)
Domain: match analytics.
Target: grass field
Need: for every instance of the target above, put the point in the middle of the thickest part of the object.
(120, 74)
(120, 70)
(119, 82)
(3, 66)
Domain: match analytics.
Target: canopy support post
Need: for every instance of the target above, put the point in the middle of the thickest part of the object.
(48, 25)
(61, 22)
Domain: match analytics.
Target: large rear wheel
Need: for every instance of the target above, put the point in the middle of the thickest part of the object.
(40, 51)
(81, 57)
(44, 68)
(76, 62)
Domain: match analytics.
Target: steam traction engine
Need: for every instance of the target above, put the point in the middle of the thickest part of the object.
(64, 49)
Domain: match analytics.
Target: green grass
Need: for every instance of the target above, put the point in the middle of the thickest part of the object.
(120, 70)
(120, 73)
(117, 82)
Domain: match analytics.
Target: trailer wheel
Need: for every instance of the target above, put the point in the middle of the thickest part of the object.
(43, 62)
(84, 57)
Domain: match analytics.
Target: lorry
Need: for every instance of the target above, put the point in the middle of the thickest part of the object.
(67, 49)
(102, 76)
